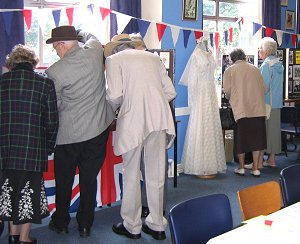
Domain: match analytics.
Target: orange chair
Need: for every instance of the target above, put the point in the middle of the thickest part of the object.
(261, 199)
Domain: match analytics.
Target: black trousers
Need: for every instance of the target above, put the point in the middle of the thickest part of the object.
(89, 157)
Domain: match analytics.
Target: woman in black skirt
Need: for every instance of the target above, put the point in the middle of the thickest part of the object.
(245, 87)
(28, 129)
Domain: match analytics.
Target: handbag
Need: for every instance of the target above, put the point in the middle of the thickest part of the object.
(268, 110)
(227, 118)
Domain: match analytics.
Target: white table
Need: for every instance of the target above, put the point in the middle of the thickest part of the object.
(284, 229)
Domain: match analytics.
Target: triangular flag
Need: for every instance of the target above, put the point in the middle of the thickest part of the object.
(287, 38)
(122, 21)
(27, 13)
(104, 12)
(294, 40)
(7, 16)
(91, 7)
(279, 34)
(56, 16)
(240, 27)
(217, 40)
(211, 37)
(226, 37)
(160, 30)
(69, 12)
(242, 20)
(143, 26)
(256, 28)
(175, 34)
(198, 34)
(230, 33)
(186, 35)
(269, 31)
(42, 20)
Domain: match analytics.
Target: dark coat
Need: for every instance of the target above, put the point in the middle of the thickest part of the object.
(28, 119)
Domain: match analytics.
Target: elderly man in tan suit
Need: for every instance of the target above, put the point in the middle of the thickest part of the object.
(138, 85)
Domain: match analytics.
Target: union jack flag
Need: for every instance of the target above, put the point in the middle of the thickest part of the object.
(109, 180)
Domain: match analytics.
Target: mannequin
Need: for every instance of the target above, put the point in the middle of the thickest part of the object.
(203, 152)
(203, 44)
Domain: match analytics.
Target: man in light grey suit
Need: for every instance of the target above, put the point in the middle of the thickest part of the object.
(84, 117)
(138, 84)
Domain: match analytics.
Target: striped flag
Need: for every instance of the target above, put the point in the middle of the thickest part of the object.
(109, 181)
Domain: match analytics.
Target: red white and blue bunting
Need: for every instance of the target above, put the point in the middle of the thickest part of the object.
(283, 37)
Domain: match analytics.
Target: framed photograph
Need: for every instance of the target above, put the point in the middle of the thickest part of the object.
(284, 3)
(291, 57)
(165, 58)
(290, 71)
(289, 20)
(296, 86)
(190, 10)
(296, 72)
(279, 54)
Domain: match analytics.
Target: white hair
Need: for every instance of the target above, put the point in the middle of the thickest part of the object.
(269, 46)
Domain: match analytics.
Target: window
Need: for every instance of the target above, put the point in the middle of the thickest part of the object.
(220, 15)
(43, 22)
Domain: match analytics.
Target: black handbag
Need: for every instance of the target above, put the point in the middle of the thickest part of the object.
(227, 119)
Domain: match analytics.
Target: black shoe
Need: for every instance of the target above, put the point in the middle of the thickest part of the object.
(121, 230)
(84, 231)
(55, 228)
(33, 241)
(158, 235)
(145, 212)
(13, 239)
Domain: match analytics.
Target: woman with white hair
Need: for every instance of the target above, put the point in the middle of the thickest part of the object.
(272, 72)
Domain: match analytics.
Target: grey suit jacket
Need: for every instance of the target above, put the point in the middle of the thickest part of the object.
(81, 89)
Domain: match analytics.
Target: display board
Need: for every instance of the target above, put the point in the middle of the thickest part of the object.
(293, 72)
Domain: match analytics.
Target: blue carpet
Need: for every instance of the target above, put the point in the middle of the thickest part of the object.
(188, 187)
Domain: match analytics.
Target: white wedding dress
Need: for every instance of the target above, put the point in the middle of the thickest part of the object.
(203, 152)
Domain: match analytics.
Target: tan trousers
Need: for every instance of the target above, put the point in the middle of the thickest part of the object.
(154, 147)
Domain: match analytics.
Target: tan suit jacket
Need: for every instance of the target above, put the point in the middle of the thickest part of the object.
(138, 83)
(246, 89)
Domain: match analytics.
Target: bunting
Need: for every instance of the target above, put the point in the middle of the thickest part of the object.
(104, 12)
(27, 13)
(56, 16)
(283, 37)
(69, 12)
(160, 30)
(186, 35)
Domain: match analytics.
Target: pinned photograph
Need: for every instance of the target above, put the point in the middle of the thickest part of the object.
(296, 72)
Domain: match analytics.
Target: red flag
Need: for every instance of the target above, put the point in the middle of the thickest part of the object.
(27, 13)
(294, 40)
(230, 33)
(217, 40)
(269, 31)
(108, 187)
(198, 34)
(160, 30)
(69, 12)
(104, 12)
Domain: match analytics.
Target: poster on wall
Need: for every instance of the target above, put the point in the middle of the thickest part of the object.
(297, 53)
(296, 72)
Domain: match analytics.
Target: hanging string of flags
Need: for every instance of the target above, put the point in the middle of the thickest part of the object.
(283, 37)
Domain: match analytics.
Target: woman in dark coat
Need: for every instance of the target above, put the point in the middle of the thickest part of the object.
(28, 129)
